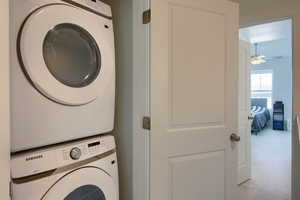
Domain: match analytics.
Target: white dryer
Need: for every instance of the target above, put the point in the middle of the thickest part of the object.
(85, 170)
(62, 71)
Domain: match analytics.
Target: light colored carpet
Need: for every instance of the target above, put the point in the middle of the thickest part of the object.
(271, 167)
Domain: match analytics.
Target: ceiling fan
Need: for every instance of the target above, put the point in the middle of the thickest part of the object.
(257, 59)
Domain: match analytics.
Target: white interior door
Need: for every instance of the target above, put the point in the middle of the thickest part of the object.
(244, 111)
(194, 100)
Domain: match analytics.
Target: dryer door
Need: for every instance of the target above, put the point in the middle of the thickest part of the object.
(68, 53)
(89, 183)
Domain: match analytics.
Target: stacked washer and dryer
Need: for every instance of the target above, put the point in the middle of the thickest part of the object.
(62, 101)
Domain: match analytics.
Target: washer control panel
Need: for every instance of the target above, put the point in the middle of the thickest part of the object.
(34, 162)
(86, 150)
(94, 5)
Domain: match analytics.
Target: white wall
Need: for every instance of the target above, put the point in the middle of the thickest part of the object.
(123, 25)
(4, 102)
(256, 12)
(282, 71)
(123, 33)
(132, 97)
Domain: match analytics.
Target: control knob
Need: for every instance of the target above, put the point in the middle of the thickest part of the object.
(75, 153)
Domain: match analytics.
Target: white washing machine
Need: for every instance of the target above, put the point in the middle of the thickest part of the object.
(85, 170)
(62, 71)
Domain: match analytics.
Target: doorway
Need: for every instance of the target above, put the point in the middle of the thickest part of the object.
(267, 149)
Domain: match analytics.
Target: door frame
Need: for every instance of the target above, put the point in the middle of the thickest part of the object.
(4, 103)
(140, 98)
(141, 108)
(294, 115)
(141, 104)
(244, 44)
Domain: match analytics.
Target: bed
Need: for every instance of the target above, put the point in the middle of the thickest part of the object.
(261, 114)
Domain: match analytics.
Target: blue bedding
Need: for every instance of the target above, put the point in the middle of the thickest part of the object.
(261, 118)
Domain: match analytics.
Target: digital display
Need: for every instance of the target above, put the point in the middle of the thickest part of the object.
(94, 144)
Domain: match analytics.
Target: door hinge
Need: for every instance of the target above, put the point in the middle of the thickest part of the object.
(147, 123)
(147, 16)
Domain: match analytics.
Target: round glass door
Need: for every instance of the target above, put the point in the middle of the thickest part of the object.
(86, 192)
(87, 183)
(70, 58)
(72, 55)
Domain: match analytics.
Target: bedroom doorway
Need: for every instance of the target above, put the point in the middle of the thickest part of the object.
(265, 111)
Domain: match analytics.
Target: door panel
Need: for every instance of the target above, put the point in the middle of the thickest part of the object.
(244, 164)
(194, 78)
(200, 167)
(185, 71)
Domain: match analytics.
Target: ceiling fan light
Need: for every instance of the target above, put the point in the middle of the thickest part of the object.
(257, 60)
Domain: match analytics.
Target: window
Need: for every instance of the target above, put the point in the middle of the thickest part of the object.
(261, 85)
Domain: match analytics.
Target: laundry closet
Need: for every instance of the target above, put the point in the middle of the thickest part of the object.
(176, 87)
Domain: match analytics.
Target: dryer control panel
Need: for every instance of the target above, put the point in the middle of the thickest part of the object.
(93, 5)
(51, 158)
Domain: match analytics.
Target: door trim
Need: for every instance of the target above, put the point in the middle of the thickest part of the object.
(5, 102)
(244, 173)
(141, 97)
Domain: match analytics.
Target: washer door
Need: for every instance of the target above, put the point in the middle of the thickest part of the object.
(67, 53)
(83, 184)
